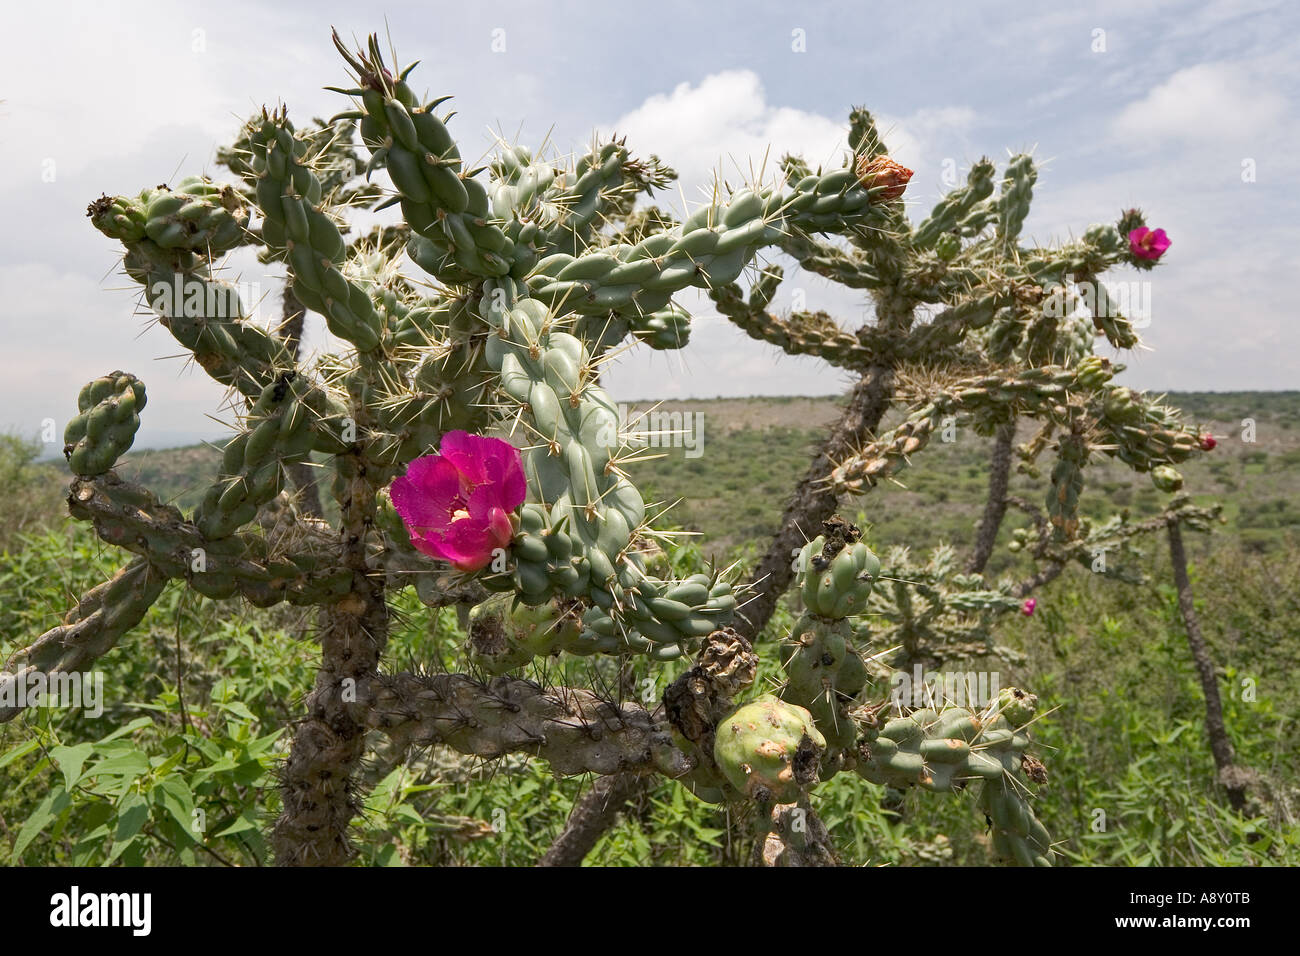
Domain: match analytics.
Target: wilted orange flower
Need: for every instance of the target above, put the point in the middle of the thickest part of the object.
(885, 179)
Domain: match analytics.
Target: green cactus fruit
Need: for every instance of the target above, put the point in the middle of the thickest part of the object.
(505, 635)
(837, 586)
(388, 520)
(1017, 706)
(1166, 479)
(1120, 406)
(1130, 219)
(947, 246)
(105, 426)
(825, 675)
(1093, 371)
(119, 217)
(769, 750)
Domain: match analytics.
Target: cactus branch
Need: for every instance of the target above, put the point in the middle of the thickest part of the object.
(995, 508)
(90, 629)
(814, 501)
(573, 730)
(803, 333)
(131, 517)
(1233, 778)
(594, 813)
(293, 316)
(317, 784)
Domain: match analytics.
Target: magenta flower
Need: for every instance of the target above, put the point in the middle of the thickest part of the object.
(456, 504)
(1147, 243)
(1028, 607)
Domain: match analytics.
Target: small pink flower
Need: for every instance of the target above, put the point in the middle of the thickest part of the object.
(1147, 243)
(1208, 442)
(456, 504)
(1028, 607)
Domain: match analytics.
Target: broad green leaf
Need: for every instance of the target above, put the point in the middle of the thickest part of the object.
(388, 856)
(240, 710)
(45, 813)
(128, 728)
(132, 812)
(70, 760)
(174, 794)
(133, 764)
(245, 821)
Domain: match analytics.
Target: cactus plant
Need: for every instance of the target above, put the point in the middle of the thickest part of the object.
(526, 290)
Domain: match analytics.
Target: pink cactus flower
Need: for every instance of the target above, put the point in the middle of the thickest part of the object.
(1208, 442)
(1028, 607)
(1147, 243)
(456, 504)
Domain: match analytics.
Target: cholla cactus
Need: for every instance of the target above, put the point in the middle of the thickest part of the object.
(533, 271)
(930, 612)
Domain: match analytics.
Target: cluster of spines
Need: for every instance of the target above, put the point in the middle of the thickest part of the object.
(930, 611)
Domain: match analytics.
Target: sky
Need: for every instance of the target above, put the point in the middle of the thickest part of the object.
(1186, 110)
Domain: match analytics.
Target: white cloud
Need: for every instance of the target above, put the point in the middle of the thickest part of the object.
(720, 360)
(62, 329)
(1209, 102)
(726, 124)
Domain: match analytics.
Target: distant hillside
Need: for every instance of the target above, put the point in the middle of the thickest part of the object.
(755, 450)
(177, 475)
(735, 464)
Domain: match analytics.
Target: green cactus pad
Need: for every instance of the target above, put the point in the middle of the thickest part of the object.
(825, 675)
(105, 425)
(837, 585)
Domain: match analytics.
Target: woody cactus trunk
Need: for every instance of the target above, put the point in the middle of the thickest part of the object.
(532, 272)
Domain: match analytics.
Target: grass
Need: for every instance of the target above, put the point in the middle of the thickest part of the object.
(1130, 777)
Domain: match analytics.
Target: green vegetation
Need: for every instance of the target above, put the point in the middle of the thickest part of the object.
(535, 274)
(196, 701)
(734, 492)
